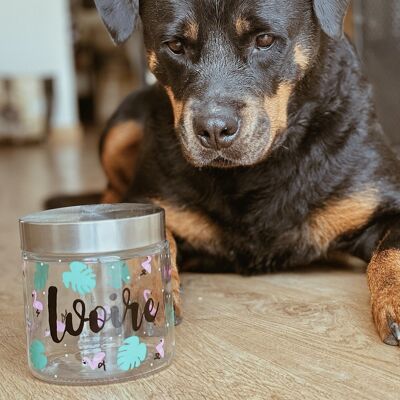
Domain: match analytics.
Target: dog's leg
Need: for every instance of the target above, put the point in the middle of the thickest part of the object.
(119, 157)
(176, 283)
(119, 154)
(384, 283)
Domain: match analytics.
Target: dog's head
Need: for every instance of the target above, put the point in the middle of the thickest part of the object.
(228, 66)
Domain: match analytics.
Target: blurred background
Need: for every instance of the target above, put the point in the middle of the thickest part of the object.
(60, 74)
(61, 78)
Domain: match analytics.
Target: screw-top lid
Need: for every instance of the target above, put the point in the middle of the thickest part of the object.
(92, 229)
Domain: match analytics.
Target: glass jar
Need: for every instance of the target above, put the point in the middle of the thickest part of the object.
(98, 299)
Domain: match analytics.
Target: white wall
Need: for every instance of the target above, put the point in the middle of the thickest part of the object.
(35, 40)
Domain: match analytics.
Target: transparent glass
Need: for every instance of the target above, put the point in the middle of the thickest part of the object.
(99, 319)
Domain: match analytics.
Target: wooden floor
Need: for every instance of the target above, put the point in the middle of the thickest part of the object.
(301, 335)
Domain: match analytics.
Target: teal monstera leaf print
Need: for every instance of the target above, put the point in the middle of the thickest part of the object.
(131, 354)
(81, 278)
(118, 274)
(41, 275)
(37, 355)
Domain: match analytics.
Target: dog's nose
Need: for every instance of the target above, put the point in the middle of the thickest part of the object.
(218, 130)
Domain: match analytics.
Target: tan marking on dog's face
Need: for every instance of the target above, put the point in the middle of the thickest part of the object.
(277, 108)
(152, 60)
(195, 228)
(250, 119)
(301, 57)
(177, 106)
(242, 26)
(119, 156)
(342, 216)
(191, 31)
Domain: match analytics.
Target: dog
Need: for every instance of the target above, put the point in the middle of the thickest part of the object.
(260, 140)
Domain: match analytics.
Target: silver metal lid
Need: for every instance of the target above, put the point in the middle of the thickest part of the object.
(92, 229)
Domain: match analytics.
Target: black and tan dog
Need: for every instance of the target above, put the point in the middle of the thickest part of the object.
(260, 140)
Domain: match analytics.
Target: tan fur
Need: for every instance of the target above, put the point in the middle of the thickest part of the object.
(384, 270)
(174, 275)
(277, 108)
(195, 228)
(250, 120)
(177, 106)
(111, 196)
(384, 284)
(191, 31)
(341, 216)
(346, 260)
(300, 57)
(242, 25)
(152, 60)
(119, 158)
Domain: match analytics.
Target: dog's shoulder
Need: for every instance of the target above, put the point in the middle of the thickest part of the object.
(139, 106)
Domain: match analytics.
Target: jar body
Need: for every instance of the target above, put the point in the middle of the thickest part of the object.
(98, 319)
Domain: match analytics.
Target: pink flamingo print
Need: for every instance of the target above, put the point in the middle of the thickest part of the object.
(60, 324)
(96, 362)
(37, 305)
(160, 350)
(146, 265)
(102, 316)
(60, 328)
(146, 295)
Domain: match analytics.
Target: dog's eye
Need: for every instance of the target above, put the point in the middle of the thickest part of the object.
(176, 46)
(264, 41)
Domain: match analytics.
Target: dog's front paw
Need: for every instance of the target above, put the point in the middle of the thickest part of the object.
(176, 295)
(386, 314)
(177, 307)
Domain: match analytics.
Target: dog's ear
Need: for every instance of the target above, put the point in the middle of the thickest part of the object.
(119, 17)
(330, 14)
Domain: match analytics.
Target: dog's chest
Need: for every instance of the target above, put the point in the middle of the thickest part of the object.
(268, 244)
(254, 241)
(260, 219)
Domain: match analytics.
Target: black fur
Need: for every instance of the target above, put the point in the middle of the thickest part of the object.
(331, 16)
(119, 17)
